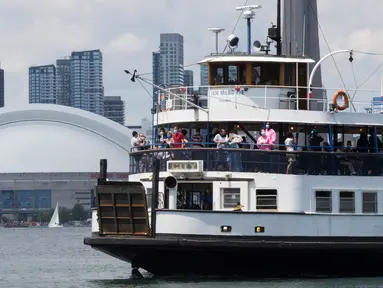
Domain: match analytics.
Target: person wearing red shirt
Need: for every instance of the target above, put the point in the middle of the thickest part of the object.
(178, 138)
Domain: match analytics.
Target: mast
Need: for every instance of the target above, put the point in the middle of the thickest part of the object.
(279, 39)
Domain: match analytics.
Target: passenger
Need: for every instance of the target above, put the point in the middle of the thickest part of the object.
(362, 143)
(263, 158)
(315, 141)
(223, 160)
(178, 138)
(344, 161)
(235, 157)
(290, 145)
(271, 135)
(263, 141)
(169, 139)
(162, 137)
(136, 144)
(197, 140)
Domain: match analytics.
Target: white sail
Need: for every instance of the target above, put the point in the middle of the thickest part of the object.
(55, 221)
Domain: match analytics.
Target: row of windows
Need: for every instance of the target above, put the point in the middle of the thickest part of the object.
(25, 199)
(324, 202)
(266, 199)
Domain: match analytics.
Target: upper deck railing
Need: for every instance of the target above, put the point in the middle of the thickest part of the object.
(266, 97)
(274, 161)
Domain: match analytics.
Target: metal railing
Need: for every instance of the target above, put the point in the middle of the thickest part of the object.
(274, 161)
(265, 97)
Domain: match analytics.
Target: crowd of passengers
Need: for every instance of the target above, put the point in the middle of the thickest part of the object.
(238, 161)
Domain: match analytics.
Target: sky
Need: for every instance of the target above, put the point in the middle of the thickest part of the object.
(127, 32)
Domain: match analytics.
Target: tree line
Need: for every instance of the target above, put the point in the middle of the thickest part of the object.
(77, 213)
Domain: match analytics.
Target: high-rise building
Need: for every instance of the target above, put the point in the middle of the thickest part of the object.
(171, 59)
(303, 39)
(1, 88)
(114, 109)
(156, 71)
(42, 84)
(189, 80)
(63, 82)
(204, 74)
(87, 90)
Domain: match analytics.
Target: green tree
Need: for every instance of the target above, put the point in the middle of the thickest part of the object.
(78, 212)
(65, 215)
(43, 215)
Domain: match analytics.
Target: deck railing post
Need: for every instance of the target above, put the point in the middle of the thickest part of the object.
(155, 186)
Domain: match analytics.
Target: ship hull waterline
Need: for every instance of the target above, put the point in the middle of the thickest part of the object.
(254, 257)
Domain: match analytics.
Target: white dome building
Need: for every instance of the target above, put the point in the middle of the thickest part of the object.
(51, 153)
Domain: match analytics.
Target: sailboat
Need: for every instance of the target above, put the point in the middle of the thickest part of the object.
(55, 221)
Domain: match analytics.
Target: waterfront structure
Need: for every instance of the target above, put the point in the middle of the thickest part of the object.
(55, 148)
(114, 109)
(42, 84)
(87, 89)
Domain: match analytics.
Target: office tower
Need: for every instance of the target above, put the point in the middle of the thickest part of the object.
(156, 71)
(63, 76)
(42, 84)
(87, 90)
(1, 88)
(114, 109)
(204, 74)
(171, 59)
(189, 80)
(301, 17)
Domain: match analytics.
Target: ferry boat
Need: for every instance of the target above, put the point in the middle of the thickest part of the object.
(307, 198)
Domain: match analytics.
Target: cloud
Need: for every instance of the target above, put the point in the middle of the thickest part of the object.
(127, 31)
(128, 43)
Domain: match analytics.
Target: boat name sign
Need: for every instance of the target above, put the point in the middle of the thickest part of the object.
(226, 92)
(185, 166)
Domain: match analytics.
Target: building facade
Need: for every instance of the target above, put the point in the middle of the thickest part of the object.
(156, 72)
(189, 80)
(114, 109)
(42, 84)
(204, 78)
(63, 81)
(171, 59)
(1, 88)
(87, 89)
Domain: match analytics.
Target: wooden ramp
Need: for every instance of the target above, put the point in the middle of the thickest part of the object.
(122, 209)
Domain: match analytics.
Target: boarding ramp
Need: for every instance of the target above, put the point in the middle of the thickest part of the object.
(122, 209)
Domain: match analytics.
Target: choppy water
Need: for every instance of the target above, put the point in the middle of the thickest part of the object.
(41, 257)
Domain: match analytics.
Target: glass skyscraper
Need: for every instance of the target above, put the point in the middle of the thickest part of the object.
(87, 90)
(42, 84)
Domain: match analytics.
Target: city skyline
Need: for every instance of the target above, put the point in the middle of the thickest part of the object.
(127, 45)
(75, 81)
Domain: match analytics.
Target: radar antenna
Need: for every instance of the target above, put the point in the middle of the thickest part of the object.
(216, 31)
(249, 15)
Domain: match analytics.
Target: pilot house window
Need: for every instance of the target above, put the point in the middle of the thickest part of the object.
(370, 202)
(346, 202)
(231, 197)
(266, 199)
(323, 201)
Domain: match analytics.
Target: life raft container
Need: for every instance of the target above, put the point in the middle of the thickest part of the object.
(345, 99)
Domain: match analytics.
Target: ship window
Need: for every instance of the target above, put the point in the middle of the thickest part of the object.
(218, 76)
(323, 201)
(230, 197)
(346, 202)
(149, 197)
(233, 74)
(369, 202)
(266, 199)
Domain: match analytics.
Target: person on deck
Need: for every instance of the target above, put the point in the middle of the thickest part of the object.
(271, 135)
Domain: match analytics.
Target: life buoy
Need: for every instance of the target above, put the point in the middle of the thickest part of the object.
(345, 99)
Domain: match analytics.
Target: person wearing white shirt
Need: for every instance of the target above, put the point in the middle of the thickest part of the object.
(136, 144)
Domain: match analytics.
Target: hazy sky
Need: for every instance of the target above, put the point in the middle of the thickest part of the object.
(40, 31)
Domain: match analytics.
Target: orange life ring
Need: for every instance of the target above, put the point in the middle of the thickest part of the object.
(345, 98)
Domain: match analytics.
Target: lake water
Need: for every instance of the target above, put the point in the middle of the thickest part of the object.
(45, 258)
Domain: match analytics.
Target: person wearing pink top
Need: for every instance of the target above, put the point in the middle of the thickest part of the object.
(263, 141)
(271, 135)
